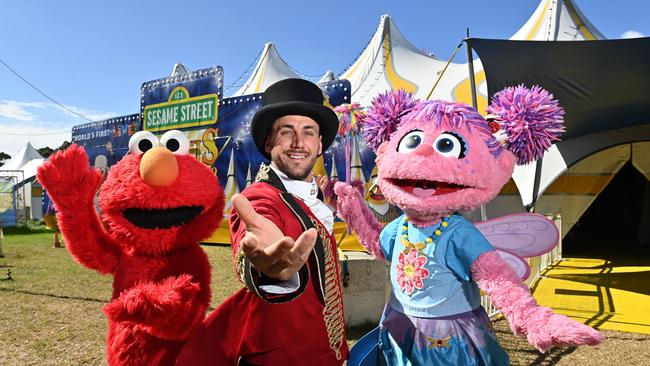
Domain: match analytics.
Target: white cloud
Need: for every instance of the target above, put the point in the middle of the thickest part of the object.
(15, 110)
(91, 114)
(15, 137)
(41, 123)
(25, 111)
(632, 34)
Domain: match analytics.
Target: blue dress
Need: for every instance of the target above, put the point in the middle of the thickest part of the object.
(434, 315)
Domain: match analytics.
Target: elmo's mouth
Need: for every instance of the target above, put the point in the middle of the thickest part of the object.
(161, 218)
(426, 188)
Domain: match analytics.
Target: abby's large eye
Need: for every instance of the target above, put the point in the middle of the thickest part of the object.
(450, 144)
(176, 142)
(142, 141)
(410, 141)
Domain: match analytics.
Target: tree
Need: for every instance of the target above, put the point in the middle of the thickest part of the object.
(3, 157)
(45, 151)
(64, 145)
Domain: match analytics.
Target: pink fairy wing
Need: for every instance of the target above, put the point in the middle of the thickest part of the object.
(525, 234)
(518, 264)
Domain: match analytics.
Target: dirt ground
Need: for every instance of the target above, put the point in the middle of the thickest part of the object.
(619, 348)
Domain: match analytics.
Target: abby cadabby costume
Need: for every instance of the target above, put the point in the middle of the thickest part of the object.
(436, 158)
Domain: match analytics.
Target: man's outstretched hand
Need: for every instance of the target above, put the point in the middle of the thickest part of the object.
(269, 250)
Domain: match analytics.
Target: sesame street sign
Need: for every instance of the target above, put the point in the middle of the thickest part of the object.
(182, 101)
(181, 110)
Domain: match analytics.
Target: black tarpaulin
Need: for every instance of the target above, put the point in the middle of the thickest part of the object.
(603, 85)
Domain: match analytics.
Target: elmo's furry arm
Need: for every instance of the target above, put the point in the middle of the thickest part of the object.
(72, 184)
(352, 209)
(167, 309)
(542, 326)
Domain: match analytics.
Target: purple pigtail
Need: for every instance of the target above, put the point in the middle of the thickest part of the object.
(328, 190)
(384, 115)
(531, 119)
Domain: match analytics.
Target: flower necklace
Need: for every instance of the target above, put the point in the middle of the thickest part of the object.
(410, 269)
(408, 246)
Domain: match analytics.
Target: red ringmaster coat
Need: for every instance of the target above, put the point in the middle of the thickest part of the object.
(305, 327)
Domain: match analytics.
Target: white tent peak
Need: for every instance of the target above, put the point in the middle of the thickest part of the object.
(270, 68)
(327, 76)
(557, 20)
(390, 61)
(24, 164)
(179, 69)
(24, 156)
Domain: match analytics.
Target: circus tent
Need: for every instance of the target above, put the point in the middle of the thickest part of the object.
(606, 117)
(557, 20)
(269, 68)
(390, 61)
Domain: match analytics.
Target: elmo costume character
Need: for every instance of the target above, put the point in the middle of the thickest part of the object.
(156, 204)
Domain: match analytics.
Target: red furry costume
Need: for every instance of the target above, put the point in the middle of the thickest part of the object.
(156, 206)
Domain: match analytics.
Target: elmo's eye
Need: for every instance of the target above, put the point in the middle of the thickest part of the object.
(176, 142)
(142, 141)
(410, 141)
(450, 144)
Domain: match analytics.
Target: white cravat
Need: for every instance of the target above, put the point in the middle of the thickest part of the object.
(308, 193)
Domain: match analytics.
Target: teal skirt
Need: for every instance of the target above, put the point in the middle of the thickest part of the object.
(462, 339)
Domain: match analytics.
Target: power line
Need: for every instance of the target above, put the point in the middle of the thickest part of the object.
(43, 93)
(33, 133)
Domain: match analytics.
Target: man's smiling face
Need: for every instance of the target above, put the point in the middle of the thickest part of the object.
(294, 144)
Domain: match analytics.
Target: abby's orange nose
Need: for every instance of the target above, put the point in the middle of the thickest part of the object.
(158, 167)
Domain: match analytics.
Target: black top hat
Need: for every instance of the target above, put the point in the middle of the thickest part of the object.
(293, 96)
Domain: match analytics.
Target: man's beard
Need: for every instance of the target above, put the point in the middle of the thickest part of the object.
(293, 172)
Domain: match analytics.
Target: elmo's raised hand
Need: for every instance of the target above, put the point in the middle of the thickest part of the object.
(66, 172)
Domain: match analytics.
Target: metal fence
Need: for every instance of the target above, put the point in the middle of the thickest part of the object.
(12, 197)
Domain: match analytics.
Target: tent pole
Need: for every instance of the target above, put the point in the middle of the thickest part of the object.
(2, 238)
(536, 183)
(472, 79)
(472, 86)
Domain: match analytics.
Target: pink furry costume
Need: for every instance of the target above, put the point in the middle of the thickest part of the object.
(435, 158)
(156, 204)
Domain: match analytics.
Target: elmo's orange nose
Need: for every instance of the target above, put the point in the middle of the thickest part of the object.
(158, 167)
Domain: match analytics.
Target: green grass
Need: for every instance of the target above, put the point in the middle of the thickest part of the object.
(29, 227)
(50, 311)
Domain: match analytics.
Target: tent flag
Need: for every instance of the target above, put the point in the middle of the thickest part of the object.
(601, 84)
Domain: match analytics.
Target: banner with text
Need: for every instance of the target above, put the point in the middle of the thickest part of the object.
(182, 101)
(107, 141)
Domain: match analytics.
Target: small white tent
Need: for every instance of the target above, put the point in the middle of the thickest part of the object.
(22, 168)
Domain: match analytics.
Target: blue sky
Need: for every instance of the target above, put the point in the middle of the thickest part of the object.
(93, 56)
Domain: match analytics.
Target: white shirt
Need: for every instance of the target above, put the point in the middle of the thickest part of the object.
(308, 193)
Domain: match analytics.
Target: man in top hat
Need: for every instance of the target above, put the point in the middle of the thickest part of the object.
(291, 311)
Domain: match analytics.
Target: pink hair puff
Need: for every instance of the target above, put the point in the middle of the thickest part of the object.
(531, 119)
(385, 114)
